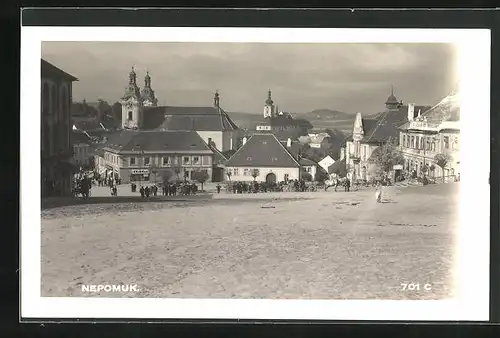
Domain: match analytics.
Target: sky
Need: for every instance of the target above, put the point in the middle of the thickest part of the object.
(303, 77)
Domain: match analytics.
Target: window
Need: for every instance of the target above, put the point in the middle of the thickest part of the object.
(417, 142)
(412, 145)
(404, 140)
(308, 169)
(130, 116)
(246, 172)
(236, 172)
(196, 160)
(166, 160)
(427, 145)
(147, 160)
(286, 177)
(132, 161)
(446, 140)
(185, 160)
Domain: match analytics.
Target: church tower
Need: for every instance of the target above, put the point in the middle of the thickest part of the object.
(148, 94)
(392, 102)
(132, 104)
(269, 106)
(358, 133)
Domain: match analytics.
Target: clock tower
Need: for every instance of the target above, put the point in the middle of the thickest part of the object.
(132, 104)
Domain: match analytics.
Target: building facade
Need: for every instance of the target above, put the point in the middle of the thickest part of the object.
(279, 123)
(140, 111)
(136, 156)
(56, 147)
(266, 156)
(82, 150)
(436, 131)
(369, 134)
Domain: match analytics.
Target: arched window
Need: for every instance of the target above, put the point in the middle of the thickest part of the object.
(53, 100)
(45, 99)
(65, 116)
(46, 137)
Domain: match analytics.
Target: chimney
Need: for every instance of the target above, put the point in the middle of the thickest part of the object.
(411, 111)
(244, 140)
(419, 112)
(289, 143)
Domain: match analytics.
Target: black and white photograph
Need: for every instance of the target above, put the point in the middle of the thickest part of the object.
(270, 170)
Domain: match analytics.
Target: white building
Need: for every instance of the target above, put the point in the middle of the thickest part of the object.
(435, 131)
(266, 157)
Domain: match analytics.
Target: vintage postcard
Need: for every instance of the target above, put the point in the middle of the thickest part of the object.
(242, 173)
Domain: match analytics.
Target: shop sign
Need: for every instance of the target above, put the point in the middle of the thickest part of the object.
(140, 171)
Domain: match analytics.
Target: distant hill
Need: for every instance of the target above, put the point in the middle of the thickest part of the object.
(326, 114)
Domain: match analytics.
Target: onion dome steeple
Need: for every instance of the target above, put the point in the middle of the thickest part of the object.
(392, 102)
(132, 90)
(148, 94)
(216, 99)
(269, 100)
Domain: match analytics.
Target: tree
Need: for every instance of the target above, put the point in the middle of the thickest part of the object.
(255, 173)
(154, 170)
(321, 175)
(177, 171)
(305, 176)
(442, 160)
(166, 176)
(385, 158)
(201, 176)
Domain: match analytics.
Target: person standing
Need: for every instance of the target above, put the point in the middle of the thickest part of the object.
(218, 188)
(347, 184)
(378, 192)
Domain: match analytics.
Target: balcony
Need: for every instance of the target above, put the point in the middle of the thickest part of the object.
(355, 158)
(424, 125)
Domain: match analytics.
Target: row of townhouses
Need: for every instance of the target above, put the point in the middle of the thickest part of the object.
(419, 133)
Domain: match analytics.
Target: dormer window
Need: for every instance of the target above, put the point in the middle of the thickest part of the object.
(249, 158)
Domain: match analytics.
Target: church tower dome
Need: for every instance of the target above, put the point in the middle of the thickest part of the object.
(392, 102)
(148, 94)
(269, 109)
(132, 104)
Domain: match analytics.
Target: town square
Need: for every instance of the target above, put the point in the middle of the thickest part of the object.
(217, 187)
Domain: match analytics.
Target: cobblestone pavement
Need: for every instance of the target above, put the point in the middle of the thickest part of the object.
(319, 245)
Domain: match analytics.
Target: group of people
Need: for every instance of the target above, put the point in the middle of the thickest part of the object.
(167, 189)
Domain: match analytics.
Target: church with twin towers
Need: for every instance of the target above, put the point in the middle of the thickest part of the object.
(141, 112)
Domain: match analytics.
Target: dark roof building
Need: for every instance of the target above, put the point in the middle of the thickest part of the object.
(151, 141)
(263, 150)
(50, 71)
(385, 125)
(79, 137)
(187, 118)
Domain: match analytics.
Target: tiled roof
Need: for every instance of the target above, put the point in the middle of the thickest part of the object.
(128, 140)
(219, 157)
(263, 150)
(339, 166)
(87, 125)
(294, 148)
(307, 162)
(187, 118)
(50, 71)
(78, 137)
(386, 126)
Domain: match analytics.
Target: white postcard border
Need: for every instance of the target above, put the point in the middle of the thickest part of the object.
(472, 251)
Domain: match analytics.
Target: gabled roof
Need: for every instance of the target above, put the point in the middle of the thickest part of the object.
(187, 118)
(87, 125)
(219, 157)
(448, 109)
(128, 140)
(263, 150)
(387, 125)
(78, 137)
(50, 71)
(306, 162)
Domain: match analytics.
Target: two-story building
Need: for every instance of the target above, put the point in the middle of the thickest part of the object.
(137, 156)
(436, 131)
(56, 148)
(265, 155)
(82, 149)
(370, 133)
